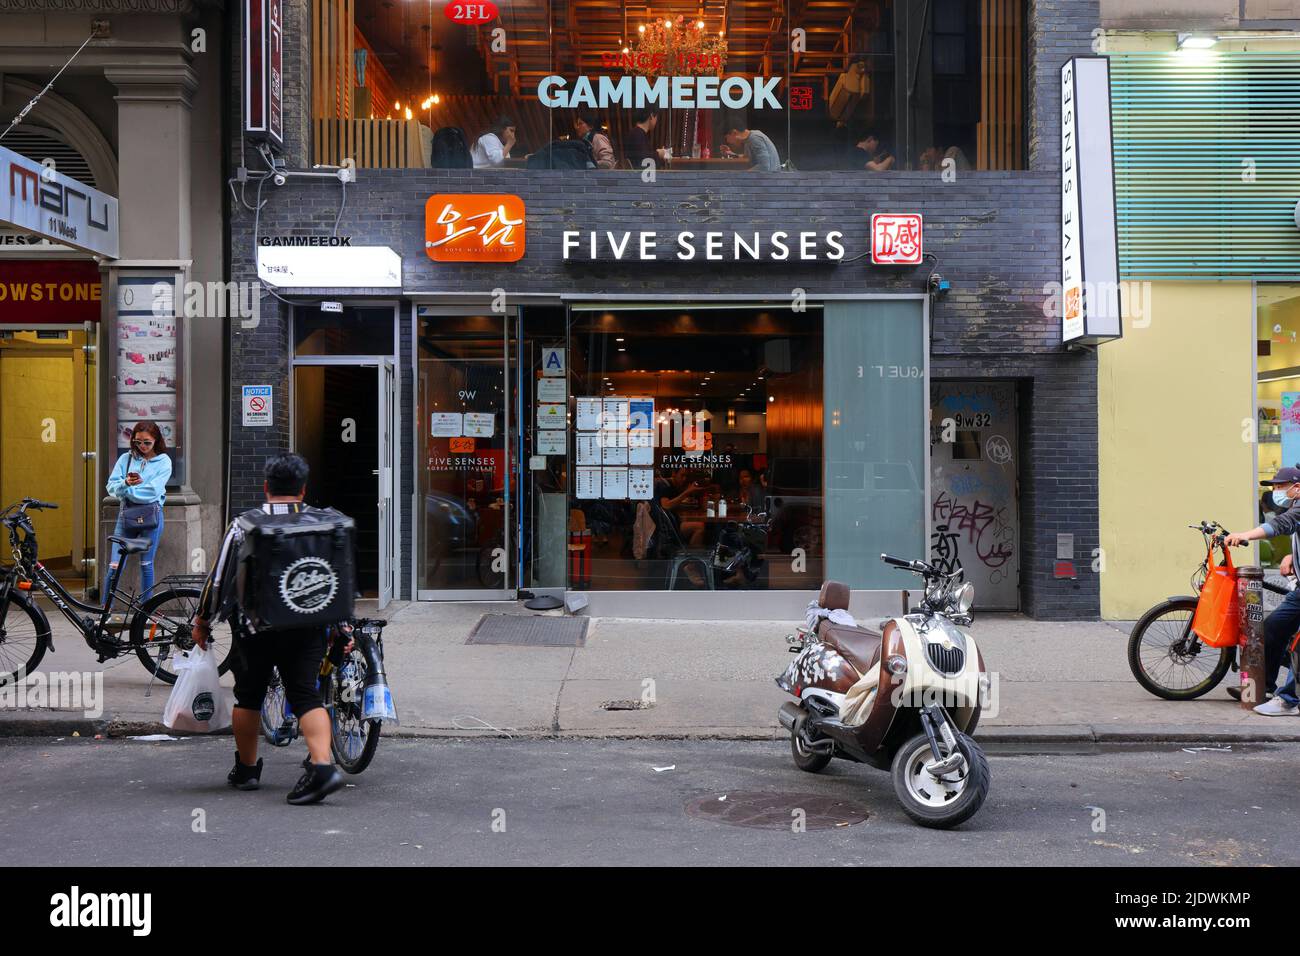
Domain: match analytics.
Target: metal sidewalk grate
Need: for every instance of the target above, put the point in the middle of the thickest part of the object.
(529, 631)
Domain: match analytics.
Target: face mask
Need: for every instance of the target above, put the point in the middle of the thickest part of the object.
(1281, 499)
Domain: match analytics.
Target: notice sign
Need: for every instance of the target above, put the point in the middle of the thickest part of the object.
(446, 425)
(257, 406)
(480, 424)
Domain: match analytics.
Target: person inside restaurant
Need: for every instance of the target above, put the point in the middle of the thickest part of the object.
(637, 144)
(755, 145)
(493, 147)
(590, 130)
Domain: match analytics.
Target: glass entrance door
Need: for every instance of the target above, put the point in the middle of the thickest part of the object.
(466, 475)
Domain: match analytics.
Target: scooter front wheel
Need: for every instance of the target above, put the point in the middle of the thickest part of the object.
(944, 801)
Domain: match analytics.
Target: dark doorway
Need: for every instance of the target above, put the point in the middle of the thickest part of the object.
(336, 419)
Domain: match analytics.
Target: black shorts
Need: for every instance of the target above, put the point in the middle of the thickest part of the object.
(297, 654)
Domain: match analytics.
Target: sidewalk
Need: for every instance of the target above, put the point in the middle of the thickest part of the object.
(1058, 683)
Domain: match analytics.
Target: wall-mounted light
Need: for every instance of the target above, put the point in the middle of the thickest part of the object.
(1195, 41)
(731, 419)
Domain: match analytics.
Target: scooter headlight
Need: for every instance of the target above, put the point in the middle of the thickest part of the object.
(964, 598)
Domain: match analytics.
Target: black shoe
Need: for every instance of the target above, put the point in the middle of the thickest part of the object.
(317, 782)
(243, 777)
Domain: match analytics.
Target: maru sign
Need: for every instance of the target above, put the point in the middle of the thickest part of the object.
(478, 227)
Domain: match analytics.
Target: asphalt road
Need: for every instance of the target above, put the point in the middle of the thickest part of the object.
(564, 802)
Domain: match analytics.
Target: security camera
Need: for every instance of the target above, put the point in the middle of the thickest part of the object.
(279, 179)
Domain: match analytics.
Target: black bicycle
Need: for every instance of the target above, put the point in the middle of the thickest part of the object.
(1165, 655)
(353, 737)
(154, 626)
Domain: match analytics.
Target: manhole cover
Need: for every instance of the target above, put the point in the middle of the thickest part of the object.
(776, 811)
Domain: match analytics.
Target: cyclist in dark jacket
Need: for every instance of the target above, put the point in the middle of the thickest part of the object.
(296, 653)
(1281, 625)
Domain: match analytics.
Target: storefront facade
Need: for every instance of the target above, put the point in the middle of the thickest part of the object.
(1195, 401)
(590, 402)
(95, 335)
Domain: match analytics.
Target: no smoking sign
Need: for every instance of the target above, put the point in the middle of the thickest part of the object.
(257, 406)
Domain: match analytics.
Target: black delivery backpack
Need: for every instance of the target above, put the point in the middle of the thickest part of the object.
(296, 569)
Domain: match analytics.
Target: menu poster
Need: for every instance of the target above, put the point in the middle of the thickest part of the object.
(446, 425)
(641, 414)
(552, 390)
(640, 484)
(641, 448)
(588, 448)
(613, 483)
(551, 416)
(588, 414)
(587, 482)
(480, 424)
(551, 443)
(614, 454)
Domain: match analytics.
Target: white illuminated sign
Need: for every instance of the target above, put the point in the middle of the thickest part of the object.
(1090, 299)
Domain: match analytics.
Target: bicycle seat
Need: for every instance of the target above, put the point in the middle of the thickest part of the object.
(129, 545)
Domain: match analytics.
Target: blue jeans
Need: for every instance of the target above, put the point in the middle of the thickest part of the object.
(146, 557)
(1279, 628)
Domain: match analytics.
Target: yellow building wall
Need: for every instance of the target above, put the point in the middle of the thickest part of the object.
(1175, 405)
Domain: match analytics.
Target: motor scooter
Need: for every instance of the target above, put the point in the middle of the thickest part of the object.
(904, 696)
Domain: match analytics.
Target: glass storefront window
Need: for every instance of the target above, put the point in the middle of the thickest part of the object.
(856, 85)
(696, 449)
(464, 497)
(1277, 396)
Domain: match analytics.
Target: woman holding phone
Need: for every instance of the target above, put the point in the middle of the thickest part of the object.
(139, 483)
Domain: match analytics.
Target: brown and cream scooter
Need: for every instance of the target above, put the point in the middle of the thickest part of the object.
(904, 696)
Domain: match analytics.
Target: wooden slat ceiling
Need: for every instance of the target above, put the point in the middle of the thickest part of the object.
(413, 38)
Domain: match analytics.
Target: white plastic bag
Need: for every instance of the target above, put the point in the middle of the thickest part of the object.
(198, 703)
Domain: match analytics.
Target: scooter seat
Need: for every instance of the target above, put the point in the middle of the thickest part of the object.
(860, 646)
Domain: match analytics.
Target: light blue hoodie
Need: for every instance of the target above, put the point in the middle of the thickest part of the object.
(154, 474)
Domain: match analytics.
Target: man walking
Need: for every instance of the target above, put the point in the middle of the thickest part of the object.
(296, 652)
(1281, 625)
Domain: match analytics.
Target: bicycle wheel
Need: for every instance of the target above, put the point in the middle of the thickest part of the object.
(24, 638)
(279, 726)
(1168, 659)
(162, 628)
(352, 740)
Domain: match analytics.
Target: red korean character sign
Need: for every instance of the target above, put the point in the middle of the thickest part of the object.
(896, 239)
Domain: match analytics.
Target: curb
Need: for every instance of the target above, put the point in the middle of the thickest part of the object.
(1048, 736)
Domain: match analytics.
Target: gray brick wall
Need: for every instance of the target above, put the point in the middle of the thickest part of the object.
(1058, 30)
(995, 236)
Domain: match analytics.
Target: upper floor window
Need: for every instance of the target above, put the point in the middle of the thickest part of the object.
(853, 85)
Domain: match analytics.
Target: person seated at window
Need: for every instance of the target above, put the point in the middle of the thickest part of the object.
(756, 146)
(671, 492)
(636, 145)
(751, 492)
(589, 129)
(933, 158)
(493, 147)
(872, 153)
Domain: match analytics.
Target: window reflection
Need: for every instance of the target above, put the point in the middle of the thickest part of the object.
(697, 450)
(854, 85)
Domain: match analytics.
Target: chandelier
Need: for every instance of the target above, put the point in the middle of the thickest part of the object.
(680, 47)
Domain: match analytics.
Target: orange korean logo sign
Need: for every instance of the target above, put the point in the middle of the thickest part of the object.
(461, 227)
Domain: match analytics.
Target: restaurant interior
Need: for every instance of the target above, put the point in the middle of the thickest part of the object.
(929, 79)
(735, 397)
